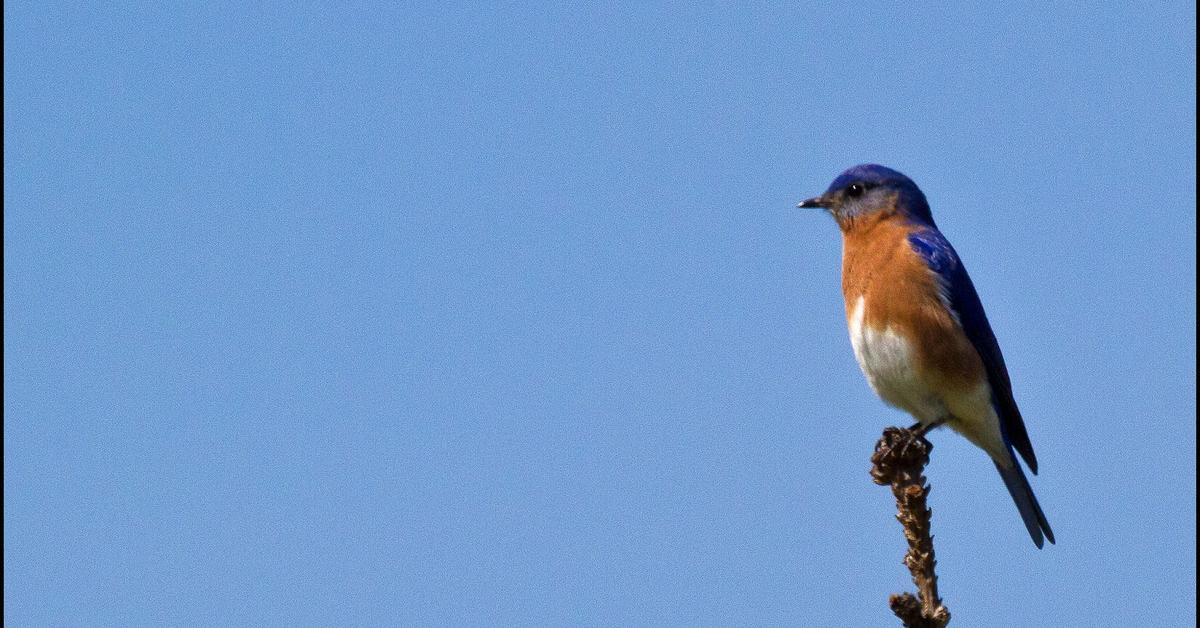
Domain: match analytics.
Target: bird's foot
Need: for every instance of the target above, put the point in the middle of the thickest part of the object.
(901, 448)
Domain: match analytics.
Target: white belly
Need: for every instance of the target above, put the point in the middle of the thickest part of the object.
(886, 359)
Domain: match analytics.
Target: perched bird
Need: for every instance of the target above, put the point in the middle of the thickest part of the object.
(917, 327)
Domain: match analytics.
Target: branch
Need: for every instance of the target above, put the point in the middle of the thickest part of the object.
(899, 460)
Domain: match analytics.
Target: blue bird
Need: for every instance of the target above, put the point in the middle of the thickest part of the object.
(917, 326)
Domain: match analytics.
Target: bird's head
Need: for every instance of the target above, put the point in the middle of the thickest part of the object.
(870, 192)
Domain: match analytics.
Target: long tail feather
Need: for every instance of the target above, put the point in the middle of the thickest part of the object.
(1022, 494)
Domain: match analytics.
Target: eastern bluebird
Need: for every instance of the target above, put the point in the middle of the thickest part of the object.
(918, 329)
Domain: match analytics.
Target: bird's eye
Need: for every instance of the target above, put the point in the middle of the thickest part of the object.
(855, 190)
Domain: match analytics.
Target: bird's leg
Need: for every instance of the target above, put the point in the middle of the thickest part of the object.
(920, 429)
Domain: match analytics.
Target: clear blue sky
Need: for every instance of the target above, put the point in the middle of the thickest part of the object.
(447, 315)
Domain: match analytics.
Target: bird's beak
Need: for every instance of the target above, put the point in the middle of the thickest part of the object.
(817, 201)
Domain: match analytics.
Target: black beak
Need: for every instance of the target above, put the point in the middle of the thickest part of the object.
(813, 202)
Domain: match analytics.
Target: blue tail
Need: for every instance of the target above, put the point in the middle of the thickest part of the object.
(1022, 494)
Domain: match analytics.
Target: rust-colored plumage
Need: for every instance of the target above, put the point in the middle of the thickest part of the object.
(902, 294)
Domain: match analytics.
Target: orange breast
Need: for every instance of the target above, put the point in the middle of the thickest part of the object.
(901, 293)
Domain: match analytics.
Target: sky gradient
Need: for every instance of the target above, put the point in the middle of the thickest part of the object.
(445, 314)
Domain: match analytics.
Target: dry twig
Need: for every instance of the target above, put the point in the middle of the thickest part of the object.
(899, 460)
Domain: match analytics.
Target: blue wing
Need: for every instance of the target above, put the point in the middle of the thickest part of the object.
(943, 260)
(932, 246)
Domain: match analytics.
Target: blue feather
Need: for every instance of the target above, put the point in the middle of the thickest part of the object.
(1027, 504)
(942, 259)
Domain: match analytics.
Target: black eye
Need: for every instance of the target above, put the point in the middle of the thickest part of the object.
(855, 190)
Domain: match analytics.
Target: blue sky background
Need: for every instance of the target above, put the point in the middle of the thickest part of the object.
(462, 315)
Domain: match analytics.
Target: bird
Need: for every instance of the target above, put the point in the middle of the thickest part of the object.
(918, 329)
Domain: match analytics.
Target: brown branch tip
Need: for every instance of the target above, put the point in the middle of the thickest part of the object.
(899, 460)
